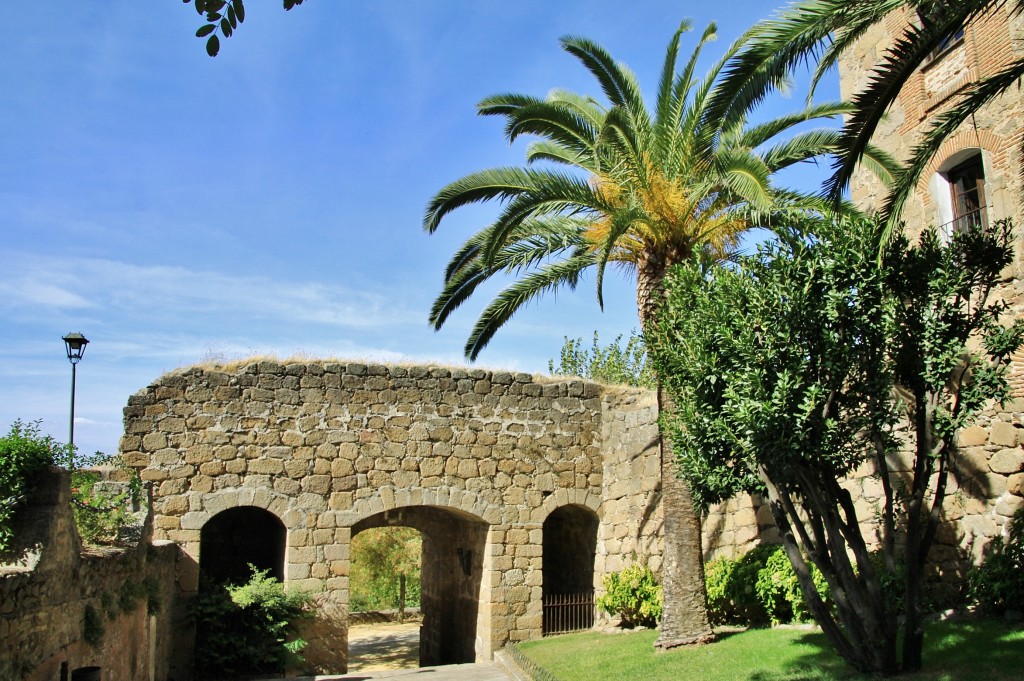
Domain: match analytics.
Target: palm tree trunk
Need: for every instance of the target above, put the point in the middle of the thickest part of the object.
(684, 618)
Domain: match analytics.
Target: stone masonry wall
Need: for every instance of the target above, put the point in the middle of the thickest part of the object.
(331, 448)
(324, 446)
(65, 607)
(631, 520)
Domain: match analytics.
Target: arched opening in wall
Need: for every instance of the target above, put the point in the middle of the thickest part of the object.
(452, 545)
(958, 190)
(570, 543)
(87, 674)
(234, 539)
(241, 638)
(384, 598)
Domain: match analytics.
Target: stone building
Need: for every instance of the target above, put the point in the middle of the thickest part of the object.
(976, 178)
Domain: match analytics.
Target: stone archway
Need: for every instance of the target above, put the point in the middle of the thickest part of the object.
(451, 576)
(570, 544)
(238, 537)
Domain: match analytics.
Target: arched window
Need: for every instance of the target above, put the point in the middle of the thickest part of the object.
(967, 192)
(958, 189)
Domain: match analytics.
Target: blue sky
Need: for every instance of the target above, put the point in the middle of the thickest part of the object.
(175, 208)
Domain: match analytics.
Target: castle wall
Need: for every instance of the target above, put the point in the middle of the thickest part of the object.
(475, 460)
(63, 607)
(324, 446)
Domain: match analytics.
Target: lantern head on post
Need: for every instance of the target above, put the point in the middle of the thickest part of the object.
(75, 344)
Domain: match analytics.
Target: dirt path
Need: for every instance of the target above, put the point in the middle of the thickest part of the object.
(388, 645)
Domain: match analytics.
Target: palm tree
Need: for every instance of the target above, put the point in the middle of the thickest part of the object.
(824, 29)
(638, 188)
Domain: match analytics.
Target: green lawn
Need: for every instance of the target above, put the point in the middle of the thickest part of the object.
(975, 651)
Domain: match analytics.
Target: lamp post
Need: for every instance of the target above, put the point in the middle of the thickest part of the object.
(75, 344)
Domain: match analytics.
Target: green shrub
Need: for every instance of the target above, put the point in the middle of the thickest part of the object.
(743, 586)
(249, 628)
(732, 598)
(997, 585)
(102, 516)
(717, 578)
(632, 595)
(23, 454)
(757, 589)
(779, 590)
(612, 364)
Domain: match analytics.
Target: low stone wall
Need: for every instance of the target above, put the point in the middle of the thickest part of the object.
(985, 490)
(63, 608)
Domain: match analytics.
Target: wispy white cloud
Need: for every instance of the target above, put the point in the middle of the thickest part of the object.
(30, 290)
(171, 292)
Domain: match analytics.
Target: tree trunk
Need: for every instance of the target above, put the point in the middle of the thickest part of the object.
(684, 618)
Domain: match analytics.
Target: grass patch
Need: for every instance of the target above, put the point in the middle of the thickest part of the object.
(972, 651)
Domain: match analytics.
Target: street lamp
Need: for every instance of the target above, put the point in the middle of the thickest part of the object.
(75, 344)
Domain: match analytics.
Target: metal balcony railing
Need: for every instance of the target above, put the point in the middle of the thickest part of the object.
(970, 220)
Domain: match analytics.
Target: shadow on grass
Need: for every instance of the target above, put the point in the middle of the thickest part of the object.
(965, 651)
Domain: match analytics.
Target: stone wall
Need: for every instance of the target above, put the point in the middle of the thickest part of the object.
(631, 521)
(63, 608)
(477, 461)
(326, 446)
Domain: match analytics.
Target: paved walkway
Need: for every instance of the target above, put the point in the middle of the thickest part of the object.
(383, 646)
(484, 671)
(391, 651)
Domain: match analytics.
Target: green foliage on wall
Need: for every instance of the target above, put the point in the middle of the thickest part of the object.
(102, 515)
(93, 627)
(612, 364)
(24, 452)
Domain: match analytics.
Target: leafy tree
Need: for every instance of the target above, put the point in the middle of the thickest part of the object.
(381, 558)
(643, 189)
(221, 18)
(824, 29)
(612, 364)
(24, 452)
(104, 513)
(806, 361)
